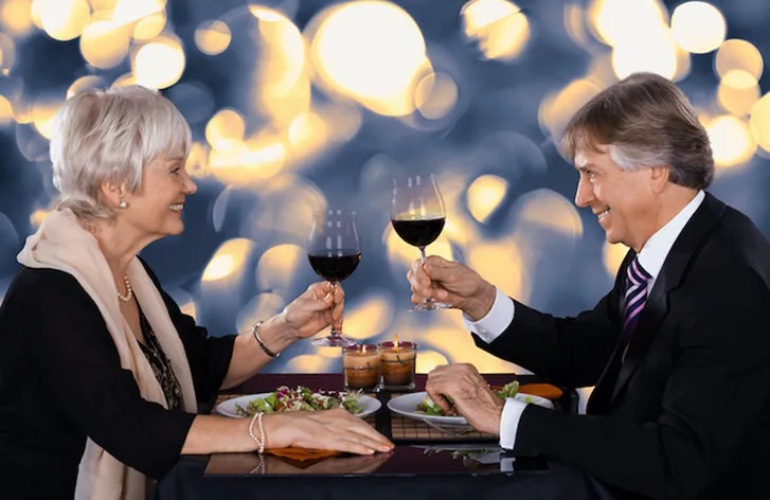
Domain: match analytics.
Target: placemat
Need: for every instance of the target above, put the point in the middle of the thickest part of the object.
(404, 429)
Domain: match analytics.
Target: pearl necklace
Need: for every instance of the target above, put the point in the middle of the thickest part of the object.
(129, 290)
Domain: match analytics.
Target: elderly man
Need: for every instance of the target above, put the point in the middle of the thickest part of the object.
(679, 350)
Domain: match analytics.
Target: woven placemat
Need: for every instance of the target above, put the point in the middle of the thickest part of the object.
(405, 429)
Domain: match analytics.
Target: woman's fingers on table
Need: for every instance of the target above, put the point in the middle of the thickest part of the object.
(338, 430)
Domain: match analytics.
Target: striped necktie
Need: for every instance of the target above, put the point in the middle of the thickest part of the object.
(636, 294)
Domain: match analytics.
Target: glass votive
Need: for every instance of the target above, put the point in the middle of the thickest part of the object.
(360, 366)
(397, 365)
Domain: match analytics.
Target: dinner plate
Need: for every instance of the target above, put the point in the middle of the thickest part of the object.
(368, 404)
(406, 405)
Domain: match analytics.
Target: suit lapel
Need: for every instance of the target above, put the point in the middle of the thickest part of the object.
(679, 257)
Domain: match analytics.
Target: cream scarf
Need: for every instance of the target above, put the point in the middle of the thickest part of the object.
(61, 243)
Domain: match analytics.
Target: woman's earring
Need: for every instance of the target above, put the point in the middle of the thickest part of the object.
(122, 203)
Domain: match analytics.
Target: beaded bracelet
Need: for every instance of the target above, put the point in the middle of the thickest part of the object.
(255, 332)
(261, 439)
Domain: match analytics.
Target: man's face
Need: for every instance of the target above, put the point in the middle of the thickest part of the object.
(623, 201)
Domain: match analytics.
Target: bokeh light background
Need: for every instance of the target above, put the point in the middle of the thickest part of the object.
(301, 105)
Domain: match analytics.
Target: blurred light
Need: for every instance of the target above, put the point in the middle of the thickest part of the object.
(499, 27)
(43, 114)
(149, 27)
(312, 363)
(738, 92)
(698, 27)
(85, 83)
(64, 19)
(16, 16)
(370, 317)
(264, 305)
(130, 11)
(731, 141)
(436, 95)
(37, 217)
(282, 88)
(103, 44)
(6, 111)
(739, 54)
(551, 210)
(124, 80)
(683, 64)
(248, 162)
(159, 63)
(308, 133)
(428, 360)
(213, 37)
(228, 260)
(189, 309)
(22, 110)
(355, 53)
(655, 52)
(225, 130)
(485, 194)
(556, 109)
(615, 20)
(7, 52)
(266, 13)
(500, 263)
(278, 265)
(574, 23)
(613, 257)
(760, 122)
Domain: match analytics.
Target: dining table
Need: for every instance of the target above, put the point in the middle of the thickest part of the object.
(428, 461)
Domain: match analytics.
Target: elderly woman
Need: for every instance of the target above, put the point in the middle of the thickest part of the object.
(100, 372)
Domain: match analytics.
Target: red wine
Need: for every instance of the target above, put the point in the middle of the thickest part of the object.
(334, 265)
(419, 232)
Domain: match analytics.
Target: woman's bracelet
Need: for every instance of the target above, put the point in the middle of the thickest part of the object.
(261, 439)
(255, 332)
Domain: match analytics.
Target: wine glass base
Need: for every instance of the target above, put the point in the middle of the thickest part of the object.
(334, 341)
(431, 306)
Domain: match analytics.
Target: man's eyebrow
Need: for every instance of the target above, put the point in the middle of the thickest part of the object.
(584, 167)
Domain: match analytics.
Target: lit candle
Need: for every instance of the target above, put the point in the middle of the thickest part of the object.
(397, 365)
(360, 366)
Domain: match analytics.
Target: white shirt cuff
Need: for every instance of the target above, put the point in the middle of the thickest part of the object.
(496, 321)
(509, 422)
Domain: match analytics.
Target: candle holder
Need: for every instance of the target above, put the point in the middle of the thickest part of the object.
(397, 361)
(361, 366)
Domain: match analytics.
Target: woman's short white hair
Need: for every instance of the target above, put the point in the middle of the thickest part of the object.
(108, 136)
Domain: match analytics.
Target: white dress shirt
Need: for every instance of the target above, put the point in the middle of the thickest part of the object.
(500, 316)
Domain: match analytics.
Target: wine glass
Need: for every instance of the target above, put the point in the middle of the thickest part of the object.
(418, 215)
(334, 253)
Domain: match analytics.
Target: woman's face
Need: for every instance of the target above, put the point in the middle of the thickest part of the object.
(156, 209)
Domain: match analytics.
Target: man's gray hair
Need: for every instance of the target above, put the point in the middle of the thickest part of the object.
(645, 120)
(108, 136)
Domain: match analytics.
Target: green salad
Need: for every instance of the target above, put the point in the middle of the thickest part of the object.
(428, 407)
(301, 399)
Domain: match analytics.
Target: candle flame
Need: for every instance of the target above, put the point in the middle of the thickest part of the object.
(395, 342)
(362, 349)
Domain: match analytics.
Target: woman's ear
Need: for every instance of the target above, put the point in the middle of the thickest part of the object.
(113, 194)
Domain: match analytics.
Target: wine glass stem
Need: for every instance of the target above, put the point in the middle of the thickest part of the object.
(422, 259)
(336, 332)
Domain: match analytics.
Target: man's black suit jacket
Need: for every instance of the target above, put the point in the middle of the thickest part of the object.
(686, 413)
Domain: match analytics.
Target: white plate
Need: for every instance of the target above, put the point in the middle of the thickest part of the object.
(368, 404)
(406, 405)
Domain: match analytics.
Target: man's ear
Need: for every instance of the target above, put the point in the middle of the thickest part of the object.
(659, 176)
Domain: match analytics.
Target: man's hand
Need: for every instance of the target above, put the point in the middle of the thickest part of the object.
(451, 283)
(472, 397)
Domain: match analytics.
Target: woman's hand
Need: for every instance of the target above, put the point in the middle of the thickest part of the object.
(318, 307)
(326, 430)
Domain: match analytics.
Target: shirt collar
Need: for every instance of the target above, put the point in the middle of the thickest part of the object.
(654, 252)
